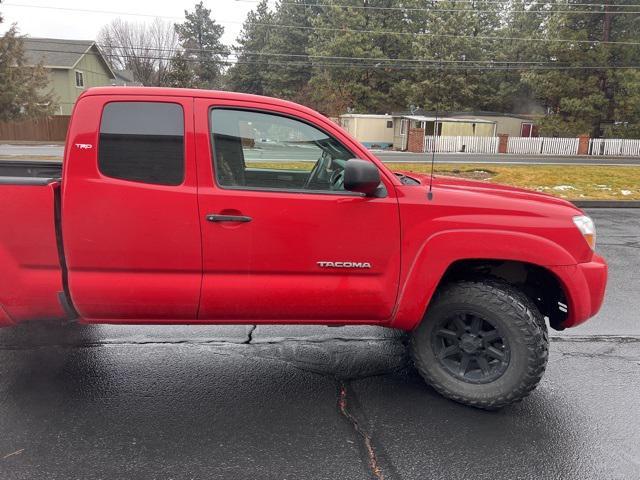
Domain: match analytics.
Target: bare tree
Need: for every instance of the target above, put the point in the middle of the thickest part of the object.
(144, 49)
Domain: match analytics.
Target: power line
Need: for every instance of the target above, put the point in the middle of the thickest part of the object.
(470, 65)
(324, 5)
(102, 12)
(435, 9)
(444, 35)
(139, 48)
(378, 61)
(497, 2)
(370, 32)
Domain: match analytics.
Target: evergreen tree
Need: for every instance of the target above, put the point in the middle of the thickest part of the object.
(372, 81)
(377, 56)
(248, 74)
(200, 37)
(180, 74)
(287, 72)
(591, 94)
(522, 19)
(23, 88)
(452, 37)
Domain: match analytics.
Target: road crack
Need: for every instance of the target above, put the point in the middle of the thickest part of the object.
(250, 334)
(374, 465)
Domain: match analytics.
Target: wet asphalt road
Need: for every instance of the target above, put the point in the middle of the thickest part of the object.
(110, 402)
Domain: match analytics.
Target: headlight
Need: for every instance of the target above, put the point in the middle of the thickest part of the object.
(587, 228)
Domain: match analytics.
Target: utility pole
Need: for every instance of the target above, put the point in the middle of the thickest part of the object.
(606, 27)
(604, 81)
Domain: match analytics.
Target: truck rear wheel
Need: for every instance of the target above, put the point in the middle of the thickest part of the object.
(481, 343)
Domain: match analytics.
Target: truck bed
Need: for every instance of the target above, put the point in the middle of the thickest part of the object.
(31, 279)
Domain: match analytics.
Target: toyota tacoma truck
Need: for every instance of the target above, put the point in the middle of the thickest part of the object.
(203, 207)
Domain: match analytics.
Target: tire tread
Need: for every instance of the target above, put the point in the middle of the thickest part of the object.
(501, 296)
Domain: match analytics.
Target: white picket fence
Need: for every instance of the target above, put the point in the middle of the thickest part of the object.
(461, 144)
(614, 146)
(524, 145)
(542, 145)
(532, 145)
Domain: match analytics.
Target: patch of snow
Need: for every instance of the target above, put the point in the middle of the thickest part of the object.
(563, 188)
(626, 192)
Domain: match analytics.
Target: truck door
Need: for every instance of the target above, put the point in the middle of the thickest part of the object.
(282, 239)
(130, 219)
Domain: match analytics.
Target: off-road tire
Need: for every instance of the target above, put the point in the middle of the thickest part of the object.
(518, 319)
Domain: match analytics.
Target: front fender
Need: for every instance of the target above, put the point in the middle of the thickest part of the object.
(442, 249)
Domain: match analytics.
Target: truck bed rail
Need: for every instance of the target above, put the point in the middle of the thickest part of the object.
(29, 172)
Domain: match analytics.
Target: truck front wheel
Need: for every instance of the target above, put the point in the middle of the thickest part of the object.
(481, 343)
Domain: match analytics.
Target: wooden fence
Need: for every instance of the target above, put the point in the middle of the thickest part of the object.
(43, 129)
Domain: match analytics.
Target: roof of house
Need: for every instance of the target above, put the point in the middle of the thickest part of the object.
(474, 113)
(126, 77)
(365, 115)
(424, 118)
(60, 53)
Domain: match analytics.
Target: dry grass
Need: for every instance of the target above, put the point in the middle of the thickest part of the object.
(575, 182)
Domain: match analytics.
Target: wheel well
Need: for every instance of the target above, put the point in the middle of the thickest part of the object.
(538, 283)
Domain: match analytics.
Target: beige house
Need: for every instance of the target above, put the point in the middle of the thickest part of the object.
(436, 125)
(74, 65)
(467, 124)
(373, 131)
(506, 124)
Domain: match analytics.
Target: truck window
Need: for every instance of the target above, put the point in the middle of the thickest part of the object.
(269, 151)
(142, 142)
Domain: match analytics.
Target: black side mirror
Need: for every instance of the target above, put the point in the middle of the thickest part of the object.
(361, 176)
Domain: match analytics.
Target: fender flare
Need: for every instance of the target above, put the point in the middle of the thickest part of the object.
(443, 249)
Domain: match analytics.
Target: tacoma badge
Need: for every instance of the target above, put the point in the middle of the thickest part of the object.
(344, 264)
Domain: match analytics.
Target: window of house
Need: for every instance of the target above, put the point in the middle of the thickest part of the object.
(389, 123)
(79, 79)
(142, 142)
(526, 129)
(268, 151)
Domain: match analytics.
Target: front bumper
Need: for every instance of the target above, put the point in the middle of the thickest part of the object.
(584, 285)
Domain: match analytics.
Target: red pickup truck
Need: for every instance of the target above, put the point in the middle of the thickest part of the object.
(187, 206)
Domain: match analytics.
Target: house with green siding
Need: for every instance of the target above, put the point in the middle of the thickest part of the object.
(73, 65)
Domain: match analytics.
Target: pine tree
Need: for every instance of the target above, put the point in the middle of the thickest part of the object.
(371, 82)
(248, 74)
(523, 19)
(452, 41)
(24, 89)
(287, 73)
(180, 74)
(200, 37)
(591, 94)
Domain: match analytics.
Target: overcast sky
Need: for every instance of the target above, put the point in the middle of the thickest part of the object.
(70, 24)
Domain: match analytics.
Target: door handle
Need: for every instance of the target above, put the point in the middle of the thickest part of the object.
(228, 218)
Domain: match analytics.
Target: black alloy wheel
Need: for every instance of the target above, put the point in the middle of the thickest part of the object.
(471, 348)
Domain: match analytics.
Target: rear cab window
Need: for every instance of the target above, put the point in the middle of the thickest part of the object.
(142, 142)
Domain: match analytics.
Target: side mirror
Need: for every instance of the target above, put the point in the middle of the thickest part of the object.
(361, 176)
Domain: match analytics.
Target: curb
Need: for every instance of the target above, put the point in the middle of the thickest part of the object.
(606, 203)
